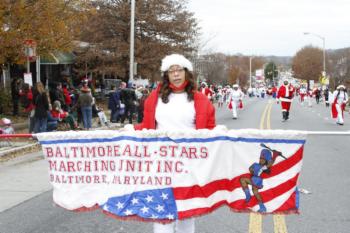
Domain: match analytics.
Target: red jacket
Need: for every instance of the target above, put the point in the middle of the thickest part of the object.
(57, 114)
(205, 112)
(206, 91)
(285, 95)
(29, 96)
(67, 98)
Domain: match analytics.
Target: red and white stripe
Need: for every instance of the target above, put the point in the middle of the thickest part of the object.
(278, 193)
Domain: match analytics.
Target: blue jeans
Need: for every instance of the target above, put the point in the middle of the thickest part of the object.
(87, 116)
(40, 125)
(114, 115)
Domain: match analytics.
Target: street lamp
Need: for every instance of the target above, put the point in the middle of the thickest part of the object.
(324, 50)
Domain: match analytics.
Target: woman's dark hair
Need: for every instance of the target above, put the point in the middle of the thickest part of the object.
(165, 90)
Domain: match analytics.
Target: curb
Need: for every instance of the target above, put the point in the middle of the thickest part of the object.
(23, 149)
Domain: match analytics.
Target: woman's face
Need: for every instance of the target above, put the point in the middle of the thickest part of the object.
(176, 75)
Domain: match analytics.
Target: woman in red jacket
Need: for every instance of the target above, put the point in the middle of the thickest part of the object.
(176, 104)
(177, 93)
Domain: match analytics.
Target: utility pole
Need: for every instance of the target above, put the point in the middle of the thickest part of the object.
(132, 42)
(250, 72)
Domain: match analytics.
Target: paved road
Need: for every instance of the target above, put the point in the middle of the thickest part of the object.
(26, 199)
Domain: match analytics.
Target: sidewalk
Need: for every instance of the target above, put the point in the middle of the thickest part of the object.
(25, 176)
(22, 178)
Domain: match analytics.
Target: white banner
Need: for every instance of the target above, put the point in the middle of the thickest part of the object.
(159, 175)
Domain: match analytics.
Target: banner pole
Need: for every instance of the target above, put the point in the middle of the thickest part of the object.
(29, 135)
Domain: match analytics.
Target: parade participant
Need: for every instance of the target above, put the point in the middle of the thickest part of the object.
(302, 93)
(285, 95)
(175, 104)
(235, 97)
(274, 92)
(206, 90)
(317, 93)
(228, 90)
(250, 92)
(309, 96)
(326, 94)
(262, 92)
(220, 96)
(340, 99)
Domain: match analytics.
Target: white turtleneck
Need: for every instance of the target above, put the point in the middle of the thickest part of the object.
(178, 113)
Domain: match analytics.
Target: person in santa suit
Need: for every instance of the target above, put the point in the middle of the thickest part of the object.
(285, 96)
(235, 97)
(206, 90)
(340, 99)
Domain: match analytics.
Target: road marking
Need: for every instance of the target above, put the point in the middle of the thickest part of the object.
(262, 120)
(255, 223)
(279, 223)
(255, 219)
(268, 120)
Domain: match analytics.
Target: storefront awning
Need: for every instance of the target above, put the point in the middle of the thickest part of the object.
(57, 58)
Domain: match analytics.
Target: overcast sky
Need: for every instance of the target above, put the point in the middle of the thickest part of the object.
(272, 27)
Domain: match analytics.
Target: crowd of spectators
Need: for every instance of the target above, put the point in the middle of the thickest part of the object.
(74, 108)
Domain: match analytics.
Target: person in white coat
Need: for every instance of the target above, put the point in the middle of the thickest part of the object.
(340, 99)
(235, 97)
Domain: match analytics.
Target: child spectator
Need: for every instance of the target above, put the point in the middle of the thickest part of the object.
(61, 115)
(6, 126)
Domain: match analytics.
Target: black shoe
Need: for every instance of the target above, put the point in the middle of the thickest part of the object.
(284, 116)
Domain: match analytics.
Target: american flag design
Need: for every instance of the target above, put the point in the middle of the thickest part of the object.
(163, 176)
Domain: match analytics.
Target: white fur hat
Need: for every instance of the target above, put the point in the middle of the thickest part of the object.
(6, 121)
(235, 85)
(175, 59)
(340, 86)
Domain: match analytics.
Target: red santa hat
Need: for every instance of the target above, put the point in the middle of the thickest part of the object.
(175, 59)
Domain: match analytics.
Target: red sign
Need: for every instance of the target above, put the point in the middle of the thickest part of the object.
(30, 49)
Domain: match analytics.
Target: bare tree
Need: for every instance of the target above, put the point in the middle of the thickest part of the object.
(307, 63)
